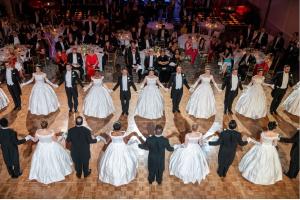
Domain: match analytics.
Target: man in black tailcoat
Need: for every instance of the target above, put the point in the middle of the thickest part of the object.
(156, 144)
(71, 78)
(232, 83)
(80, 139)
(125, 82)
(281, 82)
(177, 80)
(13, 80)
(228, 141)
(294, 162)
(9, 146)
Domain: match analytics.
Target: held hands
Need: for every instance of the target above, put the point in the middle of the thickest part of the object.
(85, 89)
(192, 90)
(29, 137)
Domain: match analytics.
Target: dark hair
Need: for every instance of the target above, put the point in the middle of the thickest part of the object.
(158, 129)
(195, 127)
(117, 126)
(232, 124)
(3, 122)
(272, 125)
(44, 124)
(124, 68)
(79, 120)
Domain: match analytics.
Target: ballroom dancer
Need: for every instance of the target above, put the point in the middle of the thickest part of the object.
(176, 82)
(98, 102)
(281, 82)
(294, 154)
(3, 100)
(50, 161)
(80, 138)
(125, 82)
(70, 77)
(189, 163)
(228, 140)
(202, 102)
(43, 99)
(156, 144)
(13, 80)
(261, 164)
(9, 146)
(253, 102)
(150, 104)
(232, 83)
(292, 102)
(118, 164)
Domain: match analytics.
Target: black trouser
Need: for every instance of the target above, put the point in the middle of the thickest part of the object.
(81, 165)
(176, 98)
(243, 71)
(15, 94)
(164, 76)
(229, 97)
(222, 170)
(125, 99)
(140, 75)
(14, 170)
(129, 69)
(155, 174)
(72, 96)
(294, 167)
(277, 94)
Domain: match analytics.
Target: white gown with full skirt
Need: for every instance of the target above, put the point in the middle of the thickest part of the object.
(292, 102)
(150, 104)
(50, 161)
(189, 163)
(118, 164)
(252, 103)
(202, 102)
(43, 99)
(98, 102)
(3, 99)
(261, 164)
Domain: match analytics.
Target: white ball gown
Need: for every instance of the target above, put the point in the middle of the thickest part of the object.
(189, 163)
(118, 164)
(50, 161)
(261, 164)
(43, 99)
(3, 99)
(150, 104)
(202, 102)
(253, 103)
(98, 102)
(292, 102)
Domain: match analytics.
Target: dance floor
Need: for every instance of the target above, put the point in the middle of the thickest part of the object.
(234, 186)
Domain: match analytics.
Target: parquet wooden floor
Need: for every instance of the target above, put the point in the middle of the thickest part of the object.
(234, 186)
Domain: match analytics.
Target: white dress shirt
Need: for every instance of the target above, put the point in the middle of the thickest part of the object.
(285, 80)
(69, 79)
(16, 40)
(90, 28)
(260, 37)
(151, 61)
(234, 82)
(74, 58)
(62, 45)
(147, 44)
(162, 36)
(178, 81)
(133, 59)
(124, 83)
(9, 80)
(278, 38)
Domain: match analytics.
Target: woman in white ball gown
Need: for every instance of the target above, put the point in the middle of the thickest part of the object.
(150, 104)
(261, 164)
(98, 102)
(50, 161)
(118, 164)
(253, 103)
(292, 102)
(43, 99)
(202, 102)
(3, 100)
(189, 163)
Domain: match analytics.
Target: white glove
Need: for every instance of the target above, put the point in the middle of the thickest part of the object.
(191, 90)
(65, 135)
(55, 86)
(28, 137)
(84, 89)
(99, 138)
(22, 85)
(109, 90)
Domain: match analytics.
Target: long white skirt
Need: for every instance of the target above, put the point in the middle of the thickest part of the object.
(292, 103)
(3, 99)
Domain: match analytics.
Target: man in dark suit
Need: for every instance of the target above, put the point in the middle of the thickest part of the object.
(70, 77)
(84, 38)
(228, 141)
(177, 80)
(150, 61)
(125, 82)
(145, 43)
(193, 28)
(278, 43)
(80, 138)
(90, 26)
(242, 42)
(246, 61)
(133, 60)
(163, 35)
(75, 59)
(232, 83)
(294, 162)
(9, 146)
(13, 80)
(261, 39)
(61, 45)
(156, 144)
(248, 34)
(281, 82)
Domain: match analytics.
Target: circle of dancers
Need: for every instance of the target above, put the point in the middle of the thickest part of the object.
(51, 162)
